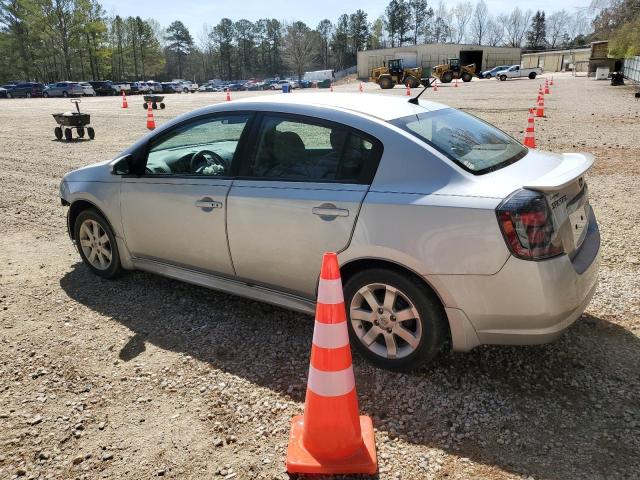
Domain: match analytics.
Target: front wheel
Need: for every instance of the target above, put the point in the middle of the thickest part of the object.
(394, 321)
(45, 95)
(532, 75)
(91, 132)
(503, 78)
(466, 77)
(65, 94)
(96, 243)
(487, 76)
(447, 77)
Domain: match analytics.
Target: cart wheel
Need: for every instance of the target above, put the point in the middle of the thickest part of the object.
(81, 132)
(91, 132)
(162, 105)
(154, 105)
(58, 133)
(144, 105)
(68, 134)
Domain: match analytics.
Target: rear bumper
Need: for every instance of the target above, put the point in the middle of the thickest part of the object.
(526, 302)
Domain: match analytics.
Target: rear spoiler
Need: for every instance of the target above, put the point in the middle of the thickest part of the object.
(573, 166)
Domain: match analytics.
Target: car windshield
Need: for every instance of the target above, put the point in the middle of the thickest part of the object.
(471, 143)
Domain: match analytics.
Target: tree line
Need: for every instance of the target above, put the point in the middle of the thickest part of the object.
(51, 40)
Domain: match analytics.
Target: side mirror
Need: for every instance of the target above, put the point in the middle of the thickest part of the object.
(123, 165)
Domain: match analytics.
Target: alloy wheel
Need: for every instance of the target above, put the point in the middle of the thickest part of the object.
(95, 244)
(385, 321)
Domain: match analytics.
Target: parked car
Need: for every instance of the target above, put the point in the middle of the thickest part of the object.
(154, 87)
(87, 89)
(492, 73)
(516, 71)
(103, 87)
(278, 85)
(63, 89)
(171, 87)
(187, 86)
(448, 229)
(25, 90)
(4, 91)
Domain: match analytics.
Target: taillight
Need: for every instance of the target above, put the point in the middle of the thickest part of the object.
(527, 226)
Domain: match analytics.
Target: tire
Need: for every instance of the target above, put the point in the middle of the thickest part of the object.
(162, 106)
(412, 81)
(144, 105)
(154, 105)
(426, 320)
(385, 83)
(58, 133)
(87, 242)
(65, 94)
(27, 95)
(91, 132)
(9, 95)
(503, 78)
(466, 77)
(45, 95)
(487, 76)
(532, 76)
(447, 77)
(68, 134)
(80, 131)
(185, 90)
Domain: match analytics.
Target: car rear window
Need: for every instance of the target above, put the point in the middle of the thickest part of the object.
(470, 142)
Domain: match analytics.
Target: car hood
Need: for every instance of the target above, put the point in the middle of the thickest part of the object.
(97, 172)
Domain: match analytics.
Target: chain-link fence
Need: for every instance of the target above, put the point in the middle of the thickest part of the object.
(631, 68)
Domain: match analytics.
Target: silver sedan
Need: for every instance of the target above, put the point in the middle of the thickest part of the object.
(449, 232)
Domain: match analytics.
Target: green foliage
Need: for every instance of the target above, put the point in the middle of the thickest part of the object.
(537, 34)
(625, 40)
(620, 24)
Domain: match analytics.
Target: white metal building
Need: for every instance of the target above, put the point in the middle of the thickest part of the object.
(431, 54)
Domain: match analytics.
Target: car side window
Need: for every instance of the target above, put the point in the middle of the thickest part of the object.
(301, 150)
(204, 147)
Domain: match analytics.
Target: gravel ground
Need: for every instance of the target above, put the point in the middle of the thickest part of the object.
(146, 377)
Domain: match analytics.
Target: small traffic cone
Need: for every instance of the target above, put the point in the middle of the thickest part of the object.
(331, 86)
(228, 95)
(455, 84)
(361, 87)
(546, 87)
(331, 438)
(540, 109)
(551, 82)
(408, 91)
(151, 123)
(529, 134)
(435, 87)
(124, 100)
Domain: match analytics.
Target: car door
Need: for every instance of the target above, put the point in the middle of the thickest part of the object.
(298, 196)
(175, 213)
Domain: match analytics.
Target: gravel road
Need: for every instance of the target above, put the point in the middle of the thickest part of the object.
(146, 377)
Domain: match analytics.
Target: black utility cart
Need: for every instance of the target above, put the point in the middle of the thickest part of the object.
(154, 100)
(73, 120)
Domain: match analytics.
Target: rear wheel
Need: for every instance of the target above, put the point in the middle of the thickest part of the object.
(9, 95)
(81, 132)
(97, 244)
(91, 132)
(532, 75)
(154, 105)
(487, 76)
(58, 133)
(28, 94)
(65, 94)
(466, 77)
(45, 94)
(446, 77)
(162, 105)
(68, 134)
(412, 81)
(394, 321)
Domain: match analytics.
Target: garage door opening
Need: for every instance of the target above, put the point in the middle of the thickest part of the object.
(471, 56)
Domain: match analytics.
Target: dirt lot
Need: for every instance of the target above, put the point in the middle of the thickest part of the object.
(147, 377)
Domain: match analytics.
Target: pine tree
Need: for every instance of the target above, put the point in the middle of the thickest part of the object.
(537, 32)
(179, 43)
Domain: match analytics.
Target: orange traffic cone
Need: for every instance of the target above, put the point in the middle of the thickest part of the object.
(331, 87)
(435, 87)
(540, 109)
(456, 83)
(361, 87)
(331, 438)
(124, 100)
(529, 134)
(551, 82)
(228, 95)
(151, 123)
(408, 91)
(546, 87)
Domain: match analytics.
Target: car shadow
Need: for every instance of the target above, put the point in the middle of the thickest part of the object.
(570, 409)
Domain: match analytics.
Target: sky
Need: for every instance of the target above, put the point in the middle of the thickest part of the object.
(195, 13)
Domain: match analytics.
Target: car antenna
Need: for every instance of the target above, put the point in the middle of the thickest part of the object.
(414, 100)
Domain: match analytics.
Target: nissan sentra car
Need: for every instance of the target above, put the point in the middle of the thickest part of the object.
(448, 230)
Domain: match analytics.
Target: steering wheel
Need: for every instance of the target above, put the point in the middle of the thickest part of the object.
(205, 158)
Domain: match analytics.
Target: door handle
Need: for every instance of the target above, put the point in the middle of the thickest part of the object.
(329, 210)
(208, 204)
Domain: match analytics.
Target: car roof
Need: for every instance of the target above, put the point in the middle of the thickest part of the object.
(384, 107)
